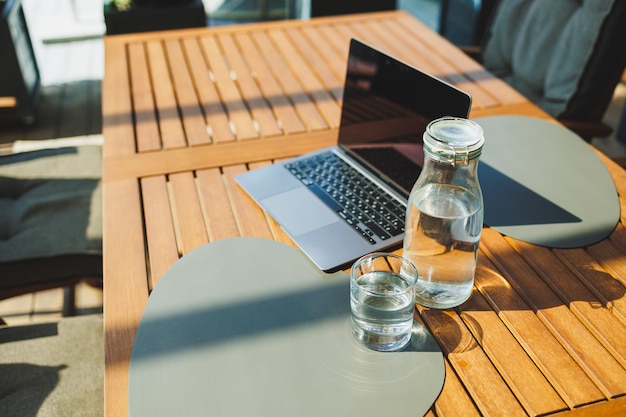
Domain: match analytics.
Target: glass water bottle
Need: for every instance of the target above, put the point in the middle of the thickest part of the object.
(444, 216)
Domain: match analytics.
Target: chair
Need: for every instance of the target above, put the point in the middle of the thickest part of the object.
(20, 83)
(53, 368)
(463, 22)
(566, 56)
(50, 220)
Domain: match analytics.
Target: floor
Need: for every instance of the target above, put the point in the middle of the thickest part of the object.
(67, 37)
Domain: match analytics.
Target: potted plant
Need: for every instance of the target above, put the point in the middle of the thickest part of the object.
(129, 16)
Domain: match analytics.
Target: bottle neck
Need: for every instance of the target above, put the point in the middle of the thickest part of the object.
(463, 173)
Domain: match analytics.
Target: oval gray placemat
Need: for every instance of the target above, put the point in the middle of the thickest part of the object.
(543, 184)
(248, 326)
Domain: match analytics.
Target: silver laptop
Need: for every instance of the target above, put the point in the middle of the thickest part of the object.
(345, 201)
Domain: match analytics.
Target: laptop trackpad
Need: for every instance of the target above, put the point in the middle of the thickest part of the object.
(298, 211)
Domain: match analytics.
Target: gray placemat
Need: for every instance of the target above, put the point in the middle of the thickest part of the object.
(249, 326)
(543, 184)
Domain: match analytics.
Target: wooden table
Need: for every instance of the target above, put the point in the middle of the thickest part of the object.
(186, 111)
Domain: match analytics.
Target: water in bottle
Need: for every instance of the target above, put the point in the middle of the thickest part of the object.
(445, 214)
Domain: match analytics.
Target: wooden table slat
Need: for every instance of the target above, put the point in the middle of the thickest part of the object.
(148, 135)
(610, 292)
(187, 212)
(615, 408)
(565, 375)
(530, 386)
(606, 327)
(214, 112)
(480, 378)
(220, 219)
(238, 113)
(454, 401)
(610, 257)
(187, 99)
(170, 125)
(320, 50)
(338, 37)
(117, 111)
(593, 358)
(288, 120)
(290, 85)
(160, 231)
(261, 112)
(326, 104)
(126, 287)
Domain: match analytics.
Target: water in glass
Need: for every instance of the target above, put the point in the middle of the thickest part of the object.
(382, 310)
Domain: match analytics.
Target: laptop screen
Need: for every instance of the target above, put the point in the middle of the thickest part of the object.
(386, 107)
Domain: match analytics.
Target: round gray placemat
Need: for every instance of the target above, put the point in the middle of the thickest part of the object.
(543, 184)
(249, 326)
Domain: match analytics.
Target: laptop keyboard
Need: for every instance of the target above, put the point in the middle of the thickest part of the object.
(360, 202)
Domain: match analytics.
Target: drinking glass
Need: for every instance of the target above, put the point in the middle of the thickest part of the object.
(382, 300)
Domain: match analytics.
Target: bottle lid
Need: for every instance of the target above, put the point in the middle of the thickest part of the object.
(453, 140)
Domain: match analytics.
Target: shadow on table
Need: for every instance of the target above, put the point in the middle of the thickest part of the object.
(259, 317)
(495, 295)
(253, 318)
(242, 319)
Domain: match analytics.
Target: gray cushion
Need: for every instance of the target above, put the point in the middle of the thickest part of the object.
(51, 214)
(545, 49)
(52, 369)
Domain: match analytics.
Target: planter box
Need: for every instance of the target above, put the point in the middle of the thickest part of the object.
(338, 7)
(146, 18)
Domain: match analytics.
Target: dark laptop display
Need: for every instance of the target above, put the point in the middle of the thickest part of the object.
(386, 107)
